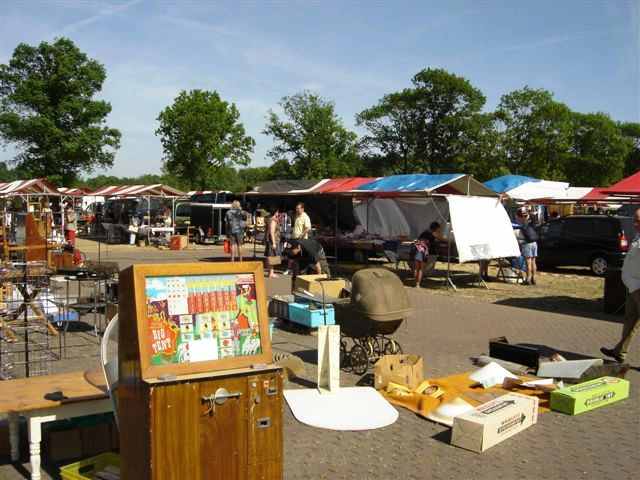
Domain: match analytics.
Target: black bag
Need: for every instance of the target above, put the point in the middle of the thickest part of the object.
(529, 233)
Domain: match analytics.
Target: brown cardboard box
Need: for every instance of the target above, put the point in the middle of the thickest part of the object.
(493, 422)
(179, 242)
(403, 369)
(310, 283)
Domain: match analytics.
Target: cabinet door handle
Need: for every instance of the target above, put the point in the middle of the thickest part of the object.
(220, 396)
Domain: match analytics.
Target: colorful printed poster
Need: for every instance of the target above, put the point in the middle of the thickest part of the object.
(200, 318)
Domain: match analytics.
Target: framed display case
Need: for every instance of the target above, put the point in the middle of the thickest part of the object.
(194, 318)
(198, 396)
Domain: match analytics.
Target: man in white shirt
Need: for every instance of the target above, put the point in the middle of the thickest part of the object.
(631, 279)
(302, 224)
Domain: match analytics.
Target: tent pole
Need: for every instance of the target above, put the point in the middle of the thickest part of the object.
(335, 235)
(149, 226)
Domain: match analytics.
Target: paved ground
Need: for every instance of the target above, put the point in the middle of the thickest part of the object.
(446, 330)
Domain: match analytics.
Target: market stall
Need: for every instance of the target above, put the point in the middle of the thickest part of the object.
(136, 209)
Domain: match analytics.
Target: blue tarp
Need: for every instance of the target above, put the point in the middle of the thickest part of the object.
(508, 182)
(410, 183)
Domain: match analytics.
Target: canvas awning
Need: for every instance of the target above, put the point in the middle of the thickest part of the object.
(283, 187)
(157, 190)
(522, 188)
(628, 187)
(35, 186)
(73, 192)
(407, 185)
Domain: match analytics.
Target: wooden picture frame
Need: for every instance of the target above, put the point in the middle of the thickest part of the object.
(134, 309)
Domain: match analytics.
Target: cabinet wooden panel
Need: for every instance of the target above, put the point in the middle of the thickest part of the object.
(175, 417)
(181, 437)
(223, 431)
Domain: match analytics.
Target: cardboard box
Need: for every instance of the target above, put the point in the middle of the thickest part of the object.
(494, 422)
(403, 369)
(586, 396)
(178, 242)
(310, 283)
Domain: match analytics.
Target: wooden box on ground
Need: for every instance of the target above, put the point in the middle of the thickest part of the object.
(189, 407)
(179, 242)
(317, 284)
(402, 369)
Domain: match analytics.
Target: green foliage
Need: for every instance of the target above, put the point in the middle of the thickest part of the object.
(426, 128)
(200, 133)
(47, 110)
(537, 133)
(311, 139)
(598, 151)
(631, 131)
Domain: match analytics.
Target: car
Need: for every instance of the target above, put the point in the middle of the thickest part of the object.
(595, 241)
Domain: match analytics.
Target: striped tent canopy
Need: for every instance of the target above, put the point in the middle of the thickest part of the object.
(157, 190)
(73, 192)
(448, 183)
(35, 186)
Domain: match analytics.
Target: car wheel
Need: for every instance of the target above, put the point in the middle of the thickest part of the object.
(599, 265)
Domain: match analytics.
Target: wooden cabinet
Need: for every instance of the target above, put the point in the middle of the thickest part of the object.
(212, 419)
(183, 436)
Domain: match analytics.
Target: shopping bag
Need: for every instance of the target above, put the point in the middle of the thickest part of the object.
(274, 261)
(227, 245)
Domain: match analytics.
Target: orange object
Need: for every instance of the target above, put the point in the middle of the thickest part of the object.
(227, 246)
(178, 242)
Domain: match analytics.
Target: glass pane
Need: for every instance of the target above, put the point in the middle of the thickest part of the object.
(200, 318)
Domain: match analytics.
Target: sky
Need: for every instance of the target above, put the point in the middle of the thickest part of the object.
(352, 52)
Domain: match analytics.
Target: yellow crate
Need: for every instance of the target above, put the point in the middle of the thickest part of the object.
(85, 469)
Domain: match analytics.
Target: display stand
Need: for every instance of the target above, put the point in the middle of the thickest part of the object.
(198, 397)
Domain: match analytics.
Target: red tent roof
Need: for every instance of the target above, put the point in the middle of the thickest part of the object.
(157, 190)
(626, 186)
(34, 186)
(341, 185)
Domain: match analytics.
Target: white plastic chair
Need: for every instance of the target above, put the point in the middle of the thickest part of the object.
(109, 360)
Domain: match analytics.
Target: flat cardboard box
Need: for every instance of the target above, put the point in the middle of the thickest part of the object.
(310, 283)
(179, 242)
(402, 369)
(586, 396)
(494, 422)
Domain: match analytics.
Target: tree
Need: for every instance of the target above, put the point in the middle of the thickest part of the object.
(312, 139)
(632, 132)
(427, 127)
(598, 151)
(201, 133)
(47, 109)
(536, 133)
(484, 155)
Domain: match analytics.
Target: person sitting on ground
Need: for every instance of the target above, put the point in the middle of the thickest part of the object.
(307, 255)
(425, 250)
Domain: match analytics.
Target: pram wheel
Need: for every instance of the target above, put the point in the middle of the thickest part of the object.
(391, 347)
(359, 359)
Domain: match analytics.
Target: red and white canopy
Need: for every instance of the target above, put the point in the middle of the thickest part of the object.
(35, 186)
(157, 190)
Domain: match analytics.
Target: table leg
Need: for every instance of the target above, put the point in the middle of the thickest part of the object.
(35, 437)
(14, 437)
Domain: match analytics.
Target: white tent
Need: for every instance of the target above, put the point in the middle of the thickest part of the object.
(482, 229)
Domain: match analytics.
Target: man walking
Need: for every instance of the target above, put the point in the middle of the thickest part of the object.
(631, 279)
(302, 224)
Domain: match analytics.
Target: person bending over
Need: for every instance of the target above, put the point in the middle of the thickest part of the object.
(307, 256)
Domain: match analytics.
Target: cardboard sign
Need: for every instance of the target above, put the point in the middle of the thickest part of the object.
(494, 422)
(402, 369)
(590, 395)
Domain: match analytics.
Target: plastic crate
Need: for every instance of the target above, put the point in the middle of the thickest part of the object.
(85, 469)
(279, 306)
(303, 314)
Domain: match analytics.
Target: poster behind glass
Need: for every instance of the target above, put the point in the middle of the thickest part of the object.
(197, 318)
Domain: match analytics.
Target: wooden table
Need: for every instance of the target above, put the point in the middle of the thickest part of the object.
(86, 395)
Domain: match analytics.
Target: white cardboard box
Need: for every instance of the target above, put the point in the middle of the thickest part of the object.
(495, 421)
